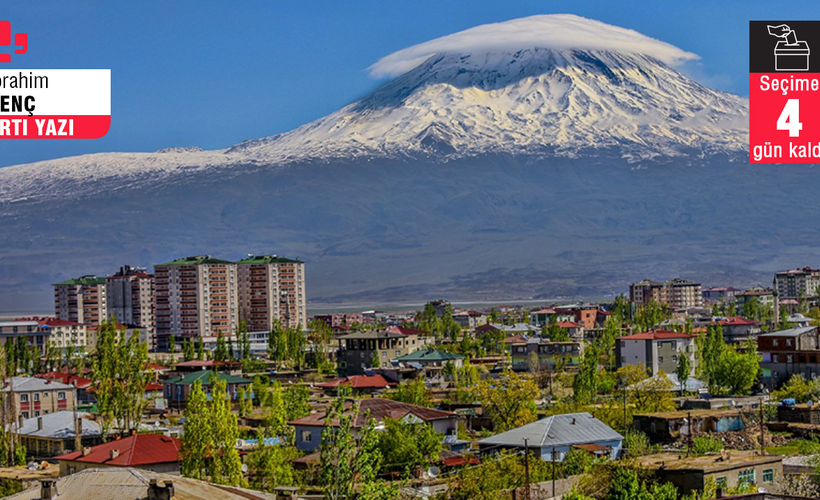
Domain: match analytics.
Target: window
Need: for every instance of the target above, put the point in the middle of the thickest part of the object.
(721, 482)
(36, 397)
(774, 342)
(660, 359)
(25, 414)
(36, 413)
(746, 476)
(60, 396)
(768, 475)
(307, 436)
(775, 358)
(24, 398)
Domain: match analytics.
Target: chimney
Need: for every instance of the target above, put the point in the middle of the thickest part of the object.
(115, 453)
(48, 489)
(573, 420)
(86, 451)
(157, 491)
(39, 423)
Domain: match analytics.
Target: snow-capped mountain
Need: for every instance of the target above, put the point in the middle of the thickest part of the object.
(556, 85)
(497, 162)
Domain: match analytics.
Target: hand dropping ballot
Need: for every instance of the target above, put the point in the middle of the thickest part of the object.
(784, 92)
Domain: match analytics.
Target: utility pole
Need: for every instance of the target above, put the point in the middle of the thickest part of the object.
(761, 428)
(691, 431)
(527, 468)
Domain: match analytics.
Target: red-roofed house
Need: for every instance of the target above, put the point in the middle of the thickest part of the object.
(659, 350)
(360, 384)
(309, 429)
(737, 330)
(153, 452)
(574, 330)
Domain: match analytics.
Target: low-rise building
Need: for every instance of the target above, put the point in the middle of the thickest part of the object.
(309, 429)
(376, 349)
(359, 384)
(789, 352)
(31, 332)
(762, 296)
(716, 294)
(550, 354)
(555, 436)
(470, 320)
(729, 470)
(133, 484)
(658, 350)
(177, 389)
(34, 397)
(669, 426)
(800, 413)
(431, 359)
(54, 434)
(737, 330)
(152, 452)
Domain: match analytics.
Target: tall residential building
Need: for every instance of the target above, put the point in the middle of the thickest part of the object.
(657, 350)
(131, 297)
(81, 300)
(797, 283)
(272, 288)
(676, 293)
(195, 297)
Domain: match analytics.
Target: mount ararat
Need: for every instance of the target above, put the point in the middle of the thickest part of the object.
(545, 157)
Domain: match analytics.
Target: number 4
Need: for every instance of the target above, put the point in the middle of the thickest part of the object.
(790, 118)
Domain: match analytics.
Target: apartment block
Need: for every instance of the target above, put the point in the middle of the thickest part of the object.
(676, 293)
(59, 333)
(131, 298)
(658, 350)
(195, 297)
(81, 300)
(797, 283)
(271, 288)
(30, 331)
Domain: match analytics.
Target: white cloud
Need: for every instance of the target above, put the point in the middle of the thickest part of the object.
(556, 31)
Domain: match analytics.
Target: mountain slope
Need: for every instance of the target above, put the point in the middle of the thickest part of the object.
(547, 156)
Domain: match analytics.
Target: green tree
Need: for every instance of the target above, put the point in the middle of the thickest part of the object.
(682, 371)
(277, 342)
(226, 466)
(271, 466)
(509, 401)
(221, 351)
(196, 440)
(414, 392)
(408, 447)
(348, 460)
(735, 372)
(172, 344)
(188, 351)
(200, 349)
(585, 385)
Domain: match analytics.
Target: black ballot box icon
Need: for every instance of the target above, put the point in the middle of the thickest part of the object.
(791, 57)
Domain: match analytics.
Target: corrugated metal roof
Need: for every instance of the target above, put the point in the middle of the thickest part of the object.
(791, 332)
(58, 425)
(132, 484)
(557, 430)
(29, 384)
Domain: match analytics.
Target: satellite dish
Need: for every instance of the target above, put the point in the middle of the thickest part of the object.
(433, 472)
(244, 468)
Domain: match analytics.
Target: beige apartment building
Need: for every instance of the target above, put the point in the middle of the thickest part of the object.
(272, 288)
(676, 293)
(131, 298)
(34, 396)
(81, 300)
(195, 297)
(797, 283)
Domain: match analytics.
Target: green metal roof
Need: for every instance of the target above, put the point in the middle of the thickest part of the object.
(205, 375)
(84, 280)
(429, 355)
(268, 259)
(194, 260)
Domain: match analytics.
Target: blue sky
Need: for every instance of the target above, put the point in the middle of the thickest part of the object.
(211, 74)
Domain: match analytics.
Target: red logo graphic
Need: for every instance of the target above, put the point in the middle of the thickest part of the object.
(20, 40)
